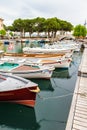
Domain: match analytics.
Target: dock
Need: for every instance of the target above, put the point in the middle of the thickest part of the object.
(77, 118)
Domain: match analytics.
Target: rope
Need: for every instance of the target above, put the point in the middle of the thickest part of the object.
(52, 121)
(56, 97)
(61, 87)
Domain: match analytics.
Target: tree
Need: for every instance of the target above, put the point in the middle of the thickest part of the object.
(52, 25)
(2, 33)
(9, 28)
(39, 25)
(18, 25)
(80, 31)
(29, 25)
(65, 26)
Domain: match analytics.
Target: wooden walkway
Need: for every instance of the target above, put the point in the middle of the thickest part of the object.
(77, 119)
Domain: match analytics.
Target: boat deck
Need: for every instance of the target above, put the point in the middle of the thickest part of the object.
(36, 55)
(26, 68)
(77, 119)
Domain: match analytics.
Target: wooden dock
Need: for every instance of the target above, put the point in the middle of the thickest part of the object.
(77, 119)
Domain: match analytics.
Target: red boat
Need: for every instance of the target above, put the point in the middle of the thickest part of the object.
(18, 90)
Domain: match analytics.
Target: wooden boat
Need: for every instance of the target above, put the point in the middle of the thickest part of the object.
(63, 63)
(17, 90)
(57, 63)
(40, 55)
(26, 70)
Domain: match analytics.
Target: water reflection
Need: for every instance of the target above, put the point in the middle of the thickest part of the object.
(44, 85)
(14, 116)
(61, 73)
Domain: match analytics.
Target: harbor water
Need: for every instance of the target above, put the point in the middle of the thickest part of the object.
(52, 103)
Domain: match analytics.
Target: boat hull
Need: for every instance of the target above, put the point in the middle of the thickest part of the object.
(29, 71)
(46, 74)
(57, 64)
(17, 90)
(23, 96)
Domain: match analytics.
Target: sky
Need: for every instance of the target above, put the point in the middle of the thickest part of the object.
(73, 11)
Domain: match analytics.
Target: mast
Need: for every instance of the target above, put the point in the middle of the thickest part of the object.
(85, 23)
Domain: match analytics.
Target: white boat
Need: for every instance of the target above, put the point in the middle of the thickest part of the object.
(57, 47)
(57, 63)
(28, 50)
(27, 70)
(65, 63)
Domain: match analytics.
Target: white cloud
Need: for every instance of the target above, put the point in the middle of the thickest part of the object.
(73, 11)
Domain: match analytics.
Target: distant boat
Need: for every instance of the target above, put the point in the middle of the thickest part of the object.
(28, 50)
(17, 90)
(26, 70)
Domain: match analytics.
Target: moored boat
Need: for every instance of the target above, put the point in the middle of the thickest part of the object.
(28, 50)
(63, 63)
(27, 70)
(57, 63)
(40, 55)
(17, 90)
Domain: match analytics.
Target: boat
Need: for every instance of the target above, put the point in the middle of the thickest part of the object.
(18, 90)
(27, 70)
(63, 63)
(38, 55)
(60, 50)
(35, 57)
(57, 63)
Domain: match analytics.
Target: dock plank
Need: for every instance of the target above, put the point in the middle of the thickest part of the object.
(81, 123)
(81, 112)
(77, 119)
(81, 115)
(78, 127)
(80, 119)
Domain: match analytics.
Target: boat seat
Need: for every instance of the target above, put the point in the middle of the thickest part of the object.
(21, 61)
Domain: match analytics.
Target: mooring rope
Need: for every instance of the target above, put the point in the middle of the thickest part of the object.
(52, 121)
(65, 89)
(56, 97)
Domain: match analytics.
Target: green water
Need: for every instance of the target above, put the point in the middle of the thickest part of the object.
(52, 103)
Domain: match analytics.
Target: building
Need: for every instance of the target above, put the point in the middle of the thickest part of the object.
(1, 24)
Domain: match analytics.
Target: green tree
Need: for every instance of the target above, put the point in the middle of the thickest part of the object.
(39, 25)
(52, 26)
(80, 31)
(65, 26)
(2, 33)
(9, 28)
(29, 25)
(18, 25)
